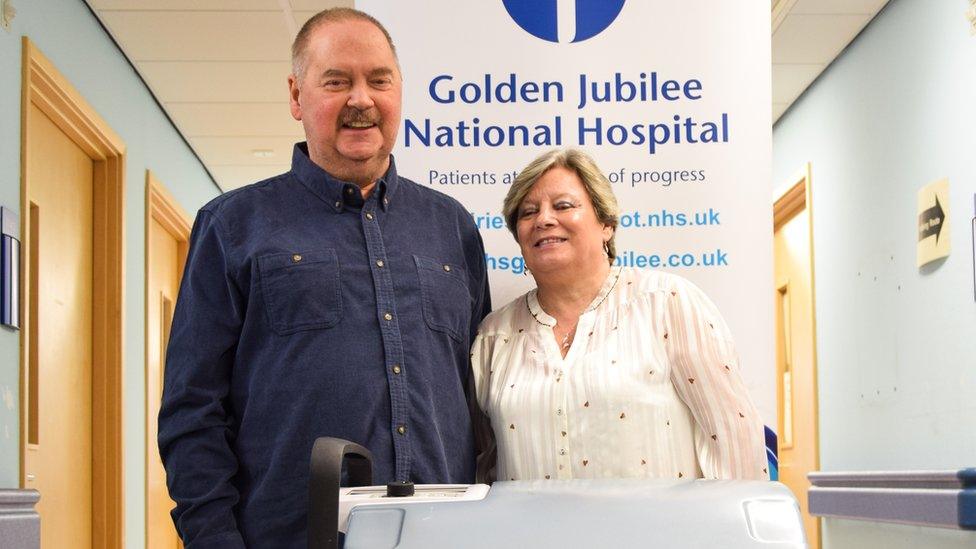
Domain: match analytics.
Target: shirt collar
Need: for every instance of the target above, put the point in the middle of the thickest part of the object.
(542, 317)
(336, 192)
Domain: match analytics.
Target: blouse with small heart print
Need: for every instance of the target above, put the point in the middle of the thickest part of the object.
(650, 388)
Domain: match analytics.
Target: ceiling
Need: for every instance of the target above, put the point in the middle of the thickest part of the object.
(218, 67)
(807, 36)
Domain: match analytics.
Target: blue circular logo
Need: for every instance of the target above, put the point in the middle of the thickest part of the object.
(564, 20)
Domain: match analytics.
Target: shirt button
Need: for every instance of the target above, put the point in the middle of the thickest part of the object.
(447, 268)
(338, 204)
(396, 369)
(369, 216)
(559, 411)
(386, 201)
(402, 429)
(379, 263)
(348, 190)
(388, 316)
(296, 258)
(562, 451)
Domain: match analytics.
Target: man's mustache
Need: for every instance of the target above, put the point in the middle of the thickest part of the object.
(356, 116)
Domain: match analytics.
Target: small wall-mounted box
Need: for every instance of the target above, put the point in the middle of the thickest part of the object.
(9, 268)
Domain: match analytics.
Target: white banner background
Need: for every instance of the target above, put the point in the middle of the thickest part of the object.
(723, 44)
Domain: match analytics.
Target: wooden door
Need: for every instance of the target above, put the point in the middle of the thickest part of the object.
(167, 234)
(71, 203)
(796, 364)
(58, 460)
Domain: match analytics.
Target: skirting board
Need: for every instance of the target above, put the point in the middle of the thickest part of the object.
(20, 525)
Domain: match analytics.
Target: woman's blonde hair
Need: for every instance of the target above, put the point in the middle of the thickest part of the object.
(596, 184)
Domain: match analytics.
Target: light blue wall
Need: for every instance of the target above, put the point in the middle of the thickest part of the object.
(67, 33)
(896, 344)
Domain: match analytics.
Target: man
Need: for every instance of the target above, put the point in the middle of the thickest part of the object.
(338, 299)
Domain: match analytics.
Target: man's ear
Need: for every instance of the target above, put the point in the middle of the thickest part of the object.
(294, 97)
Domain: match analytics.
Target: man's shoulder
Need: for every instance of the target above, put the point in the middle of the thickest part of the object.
(245, 199)
(428, 194)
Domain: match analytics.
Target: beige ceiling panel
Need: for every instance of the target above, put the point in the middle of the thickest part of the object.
(319, 5)
(302, 16)
(245, 151)
(806, 7)
(204, 81)
(235, 119)
(232, 177)
(778, 110)
(815, 38)
(201, 36)
(187, 5)
(789, 81)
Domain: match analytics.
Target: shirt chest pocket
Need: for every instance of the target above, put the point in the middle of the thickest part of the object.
(301, 290)
(445, 296)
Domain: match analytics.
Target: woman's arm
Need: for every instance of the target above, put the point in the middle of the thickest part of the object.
(729, 437)
(479, 381)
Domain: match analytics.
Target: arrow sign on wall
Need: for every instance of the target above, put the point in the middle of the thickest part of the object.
(930, 222)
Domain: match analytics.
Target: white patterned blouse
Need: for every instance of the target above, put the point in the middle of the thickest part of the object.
(649, 388)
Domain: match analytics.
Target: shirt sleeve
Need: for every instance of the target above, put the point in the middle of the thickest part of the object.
(195, 427)
(474, 256)
(729, 437)
(485, 447)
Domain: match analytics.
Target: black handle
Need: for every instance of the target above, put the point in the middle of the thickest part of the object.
(325, 473)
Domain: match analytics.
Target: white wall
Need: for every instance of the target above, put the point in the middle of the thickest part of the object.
(896, 344)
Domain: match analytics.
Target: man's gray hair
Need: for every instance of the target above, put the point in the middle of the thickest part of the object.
(331, 15)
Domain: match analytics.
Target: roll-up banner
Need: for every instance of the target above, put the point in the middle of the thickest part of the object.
(672, 99)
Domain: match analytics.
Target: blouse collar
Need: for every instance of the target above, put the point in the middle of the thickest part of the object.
(542, 317)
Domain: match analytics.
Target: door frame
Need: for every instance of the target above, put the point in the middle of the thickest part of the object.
(45, 87)
(789, 200)
(163, 208)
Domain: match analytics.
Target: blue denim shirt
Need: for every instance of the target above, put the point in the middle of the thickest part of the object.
(305, 311)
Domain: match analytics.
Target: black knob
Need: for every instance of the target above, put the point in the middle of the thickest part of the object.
(399, 489)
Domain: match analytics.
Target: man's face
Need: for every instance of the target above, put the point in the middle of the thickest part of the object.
(349, 100)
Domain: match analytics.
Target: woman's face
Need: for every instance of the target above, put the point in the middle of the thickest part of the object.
(557, 226)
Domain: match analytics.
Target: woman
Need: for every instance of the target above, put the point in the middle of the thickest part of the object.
(604, 371)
